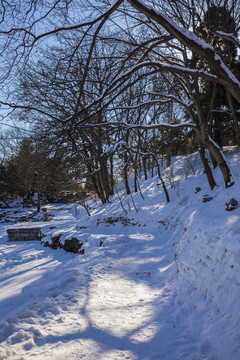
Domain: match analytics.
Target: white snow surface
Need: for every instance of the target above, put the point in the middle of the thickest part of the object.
(165, 284)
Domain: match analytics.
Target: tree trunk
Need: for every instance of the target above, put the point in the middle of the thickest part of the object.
(128, 191)
(168, 157)
(144, 168)
(162, 181)
(217, 130)
(96, 184)
(38, 202)
(111, 175)
(213, 148)
(216, 136)
(206, 166)
(105, 178)
(100, 190)
(152, 166)
(234, 116)
(220, 159)
(135, 173)
(125, 175)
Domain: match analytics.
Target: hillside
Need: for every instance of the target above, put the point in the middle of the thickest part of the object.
(155, 281)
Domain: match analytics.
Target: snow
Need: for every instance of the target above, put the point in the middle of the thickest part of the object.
(164, 284)
(113, 148)
(189, 34)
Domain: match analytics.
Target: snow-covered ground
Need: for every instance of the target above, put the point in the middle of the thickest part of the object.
(161, 281)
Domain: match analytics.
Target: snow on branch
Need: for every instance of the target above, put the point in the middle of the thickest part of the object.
(162, 125)
(196, 45)
(169, 98)
(110, 150)
(172, 68)
(142, 127)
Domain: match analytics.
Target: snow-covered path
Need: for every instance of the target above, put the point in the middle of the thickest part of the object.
(120, 302)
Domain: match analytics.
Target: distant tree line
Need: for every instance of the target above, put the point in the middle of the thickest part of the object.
(36, 171)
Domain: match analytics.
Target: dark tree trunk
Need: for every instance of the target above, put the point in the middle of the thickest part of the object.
(213, 148)
(219, 157)
(128, 191)
(144, 168)
(135, 174)
(105, 178)
(111, 176)
(162, 181)
(96, 184)
(125, 175)
(152, 167)
(234, 116)
(206, 166)
(100, 190)
(38, 202)
(217, 136)
(168, 157)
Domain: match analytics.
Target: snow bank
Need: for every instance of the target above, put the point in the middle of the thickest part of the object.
(208, 257)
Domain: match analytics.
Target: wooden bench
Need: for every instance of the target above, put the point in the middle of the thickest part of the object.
(24, 234)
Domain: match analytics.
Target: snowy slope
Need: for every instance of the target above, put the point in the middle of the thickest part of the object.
(158, 282)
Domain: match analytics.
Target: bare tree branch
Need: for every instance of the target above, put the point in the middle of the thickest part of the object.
(199, 47)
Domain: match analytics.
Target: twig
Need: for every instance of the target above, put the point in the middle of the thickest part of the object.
(120, 200)
(86, 208)
(140, 189)
(134, 203)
